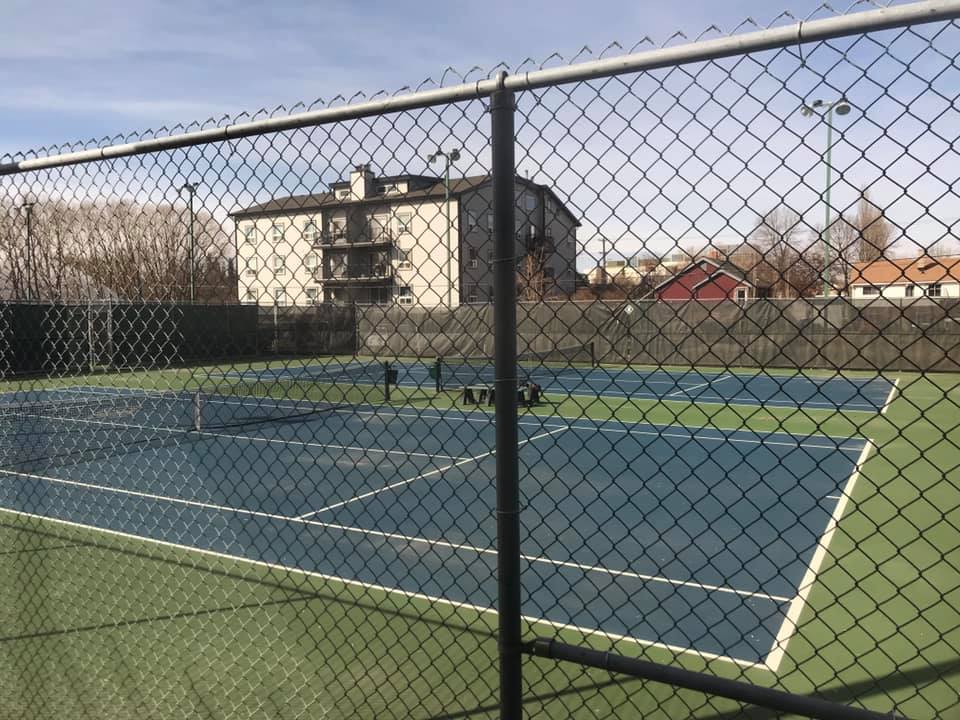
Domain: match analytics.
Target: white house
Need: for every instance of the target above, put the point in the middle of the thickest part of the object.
(906, 278)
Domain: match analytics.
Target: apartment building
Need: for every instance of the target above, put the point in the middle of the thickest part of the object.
(383, 240)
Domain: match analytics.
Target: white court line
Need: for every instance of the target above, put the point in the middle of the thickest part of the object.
(728, 376)
(594, 426)
(251, 438)
(707, 587)
(834, 497)
(393, 591)
(789, 626)
(893, 392)
(421, 476)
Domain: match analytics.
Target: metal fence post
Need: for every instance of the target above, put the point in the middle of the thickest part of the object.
(505, 369)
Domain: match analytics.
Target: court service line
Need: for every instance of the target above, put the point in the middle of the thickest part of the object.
(459, 547)
(791, 620)
(251, 438)
(890, 396)
(421, 476)
(728, 376)
(459, 605)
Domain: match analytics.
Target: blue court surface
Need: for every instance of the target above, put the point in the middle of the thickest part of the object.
(836, 392)
(698, 540)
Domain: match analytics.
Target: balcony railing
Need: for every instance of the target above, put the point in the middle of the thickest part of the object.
(367, 238)
(360, 273)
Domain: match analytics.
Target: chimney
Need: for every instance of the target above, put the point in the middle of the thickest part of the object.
(361, 182)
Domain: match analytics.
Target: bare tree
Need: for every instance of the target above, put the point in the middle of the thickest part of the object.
(844, 244)
(119, 249)
(784, 261)
(876, 234)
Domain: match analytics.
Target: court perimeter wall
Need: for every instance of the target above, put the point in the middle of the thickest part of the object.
(836, 333)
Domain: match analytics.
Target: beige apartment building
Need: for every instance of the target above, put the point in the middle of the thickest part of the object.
(382, 240)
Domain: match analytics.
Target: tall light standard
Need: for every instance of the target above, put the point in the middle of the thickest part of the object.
(28, 209)
(449, 157)
(826, 110)
(191, 189)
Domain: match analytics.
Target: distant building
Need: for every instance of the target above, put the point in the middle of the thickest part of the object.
(706, 279)
(906, 278)
(385, 240)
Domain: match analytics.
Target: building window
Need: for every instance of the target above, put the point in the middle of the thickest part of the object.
(548, 272)
(403, 223)
(250, 234)
(489, 257)
(279, 265)
(251, 267)
(310, 231)
(276, 231)
(529, 202)
(741, 294)
(490, 221)
(473, 293)
(403, 259)
(280, 296)
(934, 290)
(471, 219)
(490, 293)
(313, 295)
(310, 262)
(405, 295)
(474, 257)
(871, 290)
(250, 297)
(343, 194)
(908, 290)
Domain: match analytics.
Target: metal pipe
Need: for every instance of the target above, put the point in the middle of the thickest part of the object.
(788, 35)
(28, 208)
(505, 399)
(702, 682)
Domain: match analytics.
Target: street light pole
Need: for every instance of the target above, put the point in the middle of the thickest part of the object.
(826, 110)
(449, 158)
(191, 189)
(28, 208)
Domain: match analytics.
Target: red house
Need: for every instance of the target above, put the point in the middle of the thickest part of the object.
(706, 279)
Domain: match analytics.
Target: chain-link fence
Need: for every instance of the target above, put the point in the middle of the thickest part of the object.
(612, 387)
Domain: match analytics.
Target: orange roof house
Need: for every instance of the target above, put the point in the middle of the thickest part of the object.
(906, 278)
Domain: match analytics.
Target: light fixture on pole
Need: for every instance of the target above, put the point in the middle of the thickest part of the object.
(449, 158)
(191, 189)
(825, 110)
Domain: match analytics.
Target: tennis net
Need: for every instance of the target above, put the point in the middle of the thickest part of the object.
(539, 366)
(96, 424)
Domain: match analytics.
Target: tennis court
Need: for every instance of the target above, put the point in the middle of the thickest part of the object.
(680, 534)
(834, 392)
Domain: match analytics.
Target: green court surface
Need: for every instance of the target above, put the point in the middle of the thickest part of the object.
(186, 633)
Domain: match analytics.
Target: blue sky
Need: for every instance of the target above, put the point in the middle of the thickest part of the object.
(71, 71)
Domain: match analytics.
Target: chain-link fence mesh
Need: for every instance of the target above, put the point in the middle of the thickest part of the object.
(250, 460)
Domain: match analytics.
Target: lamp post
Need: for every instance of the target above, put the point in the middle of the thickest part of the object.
(449, 158)
(28, 209)
(191, 189)
(825, 110)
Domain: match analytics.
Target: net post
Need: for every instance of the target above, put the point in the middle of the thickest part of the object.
(197, 411)
(438, 369)
(386, 380)
(505, 383)
(593, 354)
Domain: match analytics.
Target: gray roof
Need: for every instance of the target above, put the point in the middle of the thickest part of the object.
(318, 201)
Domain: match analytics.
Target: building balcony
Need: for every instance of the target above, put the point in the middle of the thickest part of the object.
(357, 275)
(346, 240)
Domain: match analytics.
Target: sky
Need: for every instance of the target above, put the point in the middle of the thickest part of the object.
(74, 71)
(71, 71)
